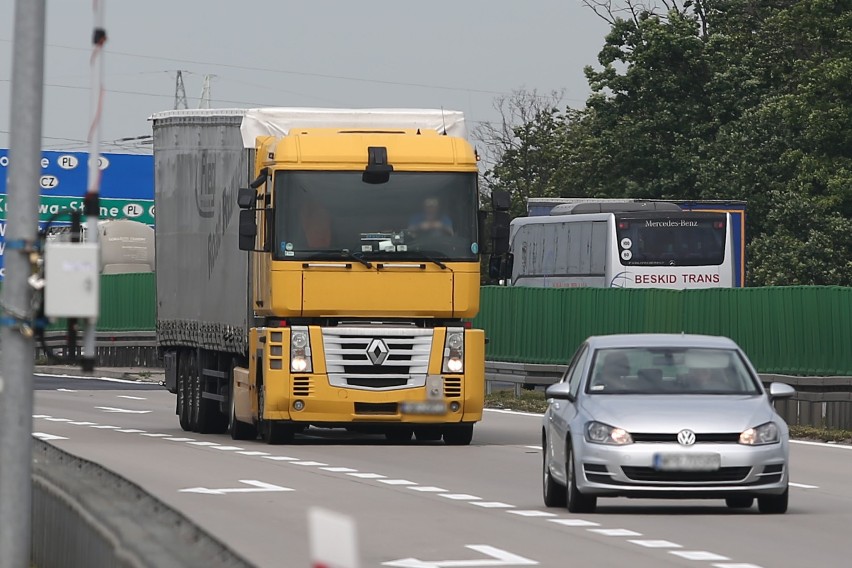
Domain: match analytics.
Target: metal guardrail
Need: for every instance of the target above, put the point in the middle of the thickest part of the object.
(85, 515)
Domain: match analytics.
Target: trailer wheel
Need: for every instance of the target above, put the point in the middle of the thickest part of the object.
(183, 398)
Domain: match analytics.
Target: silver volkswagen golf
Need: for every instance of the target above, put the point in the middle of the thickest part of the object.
(664, 416)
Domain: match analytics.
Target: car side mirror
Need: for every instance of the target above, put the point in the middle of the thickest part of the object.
(247, 229)
(559, 391)
(781, 390)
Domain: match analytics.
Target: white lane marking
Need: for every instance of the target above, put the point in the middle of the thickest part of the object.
(574, 522)
(226, 448)
(253, 453)
(180, 439)
(822, 444)
(65, 390)
(533, 447)
(532, 513)
(105, 379)
(83, 423)
(460, 497)
(492, 505)
(621, 532)
(41, 416)
(656, 543)
(366, 475)
(803, 485)
(127, 396)
(309, 463)
(339, 469)
(122, 410)
(131, 431)
(47, 437)
(256, 487)
(279, 458)
(735, 565)
(515, 412)
(203, 443)
(429, 489)
(698, 555)
(498, 558)
(103, 427)
(159, 436)
(58, 419)
(397, 482)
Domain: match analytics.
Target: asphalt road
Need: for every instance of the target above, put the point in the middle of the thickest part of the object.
(428, 501)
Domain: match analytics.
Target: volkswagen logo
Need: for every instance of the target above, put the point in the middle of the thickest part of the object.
(686, 437)
(377, 351)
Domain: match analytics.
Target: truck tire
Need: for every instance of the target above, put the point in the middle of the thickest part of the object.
(192, 380)
(238, 430)
(273, 432)
(458, 434)
(183, 398)
(427, 433)
(399, 435)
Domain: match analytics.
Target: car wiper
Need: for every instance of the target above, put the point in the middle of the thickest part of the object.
(356, 256)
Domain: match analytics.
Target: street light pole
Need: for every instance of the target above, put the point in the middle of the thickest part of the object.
(16, 341)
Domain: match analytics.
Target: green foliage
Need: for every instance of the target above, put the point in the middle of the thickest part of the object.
(724, 99)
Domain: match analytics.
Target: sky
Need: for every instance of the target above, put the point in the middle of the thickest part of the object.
(455, 54)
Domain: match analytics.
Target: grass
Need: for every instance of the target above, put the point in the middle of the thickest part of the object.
(534, 401)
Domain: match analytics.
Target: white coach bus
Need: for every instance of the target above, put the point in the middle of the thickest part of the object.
(623, 245)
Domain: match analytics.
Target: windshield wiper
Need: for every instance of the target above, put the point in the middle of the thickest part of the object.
(424, 255)
(345, 253)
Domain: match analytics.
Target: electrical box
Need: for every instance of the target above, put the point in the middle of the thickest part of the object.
(71, 280)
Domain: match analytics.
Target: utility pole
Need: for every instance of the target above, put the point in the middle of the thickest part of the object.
(204, 102)
(180, 91)
(16, 338)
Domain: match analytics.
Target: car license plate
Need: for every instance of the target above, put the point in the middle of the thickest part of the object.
(430, 408)
(687, 462)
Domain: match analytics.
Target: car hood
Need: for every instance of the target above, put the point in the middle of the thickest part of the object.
(669, 414)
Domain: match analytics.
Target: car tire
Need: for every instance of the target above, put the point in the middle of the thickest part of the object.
(739, 502)
(774, 504)
(458, 434)
(577, 502)
(554, 493)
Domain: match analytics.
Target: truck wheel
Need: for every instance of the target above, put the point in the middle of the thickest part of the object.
(238, 430)
(427, 434)
(273, 432)
(458, 434)
(194, 380)
(399, 435)
(183, 402)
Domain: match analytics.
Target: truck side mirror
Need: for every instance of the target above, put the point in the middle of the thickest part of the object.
(482, 219)
(500, 232)
(501, 200)
(248, 229)
(500, 267)
(246, 197)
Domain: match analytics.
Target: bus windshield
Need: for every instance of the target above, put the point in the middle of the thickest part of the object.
(413, 216)
(688, 239)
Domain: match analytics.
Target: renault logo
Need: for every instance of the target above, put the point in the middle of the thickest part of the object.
(377, 351)
(686, 437)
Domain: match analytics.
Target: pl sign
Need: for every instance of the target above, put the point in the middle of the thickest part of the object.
(127, 188)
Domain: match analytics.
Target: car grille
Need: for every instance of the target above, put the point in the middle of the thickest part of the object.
(725, 474)
(349, 364)
(717, 438)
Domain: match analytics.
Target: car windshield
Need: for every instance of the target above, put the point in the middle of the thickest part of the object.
(413, 216)
(663, 370)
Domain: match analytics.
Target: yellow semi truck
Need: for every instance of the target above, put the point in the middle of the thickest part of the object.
(317, 268)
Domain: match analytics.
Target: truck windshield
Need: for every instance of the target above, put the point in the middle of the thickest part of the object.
(414, 216)
(688, 239)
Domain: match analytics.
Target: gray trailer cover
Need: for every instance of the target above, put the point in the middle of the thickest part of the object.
(202, 276)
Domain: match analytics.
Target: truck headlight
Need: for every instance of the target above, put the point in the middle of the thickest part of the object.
(760, 435)
(300, 351)
(600, 433)
(454, 351)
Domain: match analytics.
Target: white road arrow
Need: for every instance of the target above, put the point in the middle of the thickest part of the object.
(257, 487)
(498, 558)
(124, 410)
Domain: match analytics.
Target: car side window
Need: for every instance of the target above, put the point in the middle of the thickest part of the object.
(574, 374)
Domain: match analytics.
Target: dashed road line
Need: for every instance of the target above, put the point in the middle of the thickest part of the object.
(47, 437)
(49, 419)
(366, 475)
(396, 482)
(339, 469)
(127, 396)
(656, 543)
(227, 448)
(429, 489)
(575, 522)
(253, 453)
(309, 463)
(65, 390)
(180, 439)
(202, 443)
(82, 423)
(532, 513)
(735, 565)
(701, 555)
(618, 532)
(492, 505)
(460, 497)
(131, 431)
(104, 427)
(159, 436)
(803, 485)
(279, 458)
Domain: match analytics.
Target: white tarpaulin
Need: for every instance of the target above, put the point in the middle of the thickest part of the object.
(279, 121)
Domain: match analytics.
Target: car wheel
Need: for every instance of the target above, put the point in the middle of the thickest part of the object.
(577, 502)
(458, 434)
(555, 494)
(739, 502)
(774, 504)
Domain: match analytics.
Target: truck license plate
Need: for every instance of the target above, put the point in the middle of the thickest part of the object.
(687, 462)
(430, 408)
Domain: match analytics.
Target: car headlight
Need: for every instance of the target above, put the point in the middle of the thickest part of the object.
(764, 434)
(600, 433)
(454, 351)
(300, 351)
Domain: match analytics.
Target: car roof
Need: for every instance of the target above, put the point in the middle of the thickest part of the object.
(660, 340)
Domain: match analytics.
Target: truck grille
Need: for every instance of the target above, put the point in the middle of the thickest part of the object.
(302, 386)
(452, 387)
(377, 358)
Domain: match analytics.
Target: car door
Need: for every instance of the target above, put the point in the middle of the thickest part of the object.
(562, 412)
